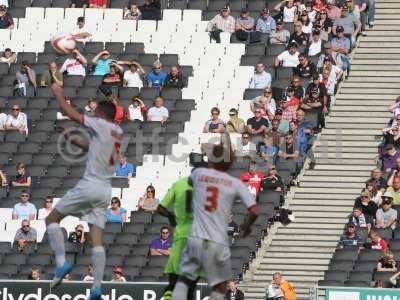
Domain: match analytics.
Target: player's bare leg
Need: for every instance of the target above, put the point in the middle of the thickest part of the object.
(56, 239)
(98, 260)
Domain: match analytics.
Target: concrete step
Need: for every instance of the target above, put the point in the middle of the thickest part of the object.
(353, 132)
(295, 261)
(323, 191)
(341, 161)
(372, 103)
(365, 98)
(344, 155)
(299, 204)
(295, 272)
(335, 113)
(379, 64)
(322, 208)
(376, 50)
(341, 149)
(333, 179)
(358, 120)
(287, 230)
(339, 137)
(346, 144)
(320, 221)
(347, 173)
(387, 22)
(374, 79)
(351, 90)
(330, 124)
(362, 56)
(312, 215)
(331, 184)
(375, 68)
(348, 194)
(379, 38)
(358, 109)
(338, 225)
(294, 267)
(292, 278)
(375, 72)
(300, 249)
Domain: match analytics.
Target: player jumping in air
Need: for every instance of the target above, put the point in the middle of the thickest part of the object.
(207, 247)
(90, 198)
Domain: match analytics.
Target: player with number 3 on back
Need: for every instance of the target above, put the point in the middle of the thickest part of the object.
(208, 247)
(90, 198)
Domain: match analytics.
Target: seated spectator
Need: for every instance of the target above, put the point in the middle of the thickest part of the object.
(23, 177)
(289, 105)
(24, 210)
(305, 132)
(288, 150)
(368, 206)
(133, 76)
(215, 124)
(119, 110)
(150, 10)
(25, 235)
(97, 3)
(174, 78)
(244, 25)
(116, 213)
(25, 77)
(349, 23)
(17, 120)
(316, 100)
(79, 3)
(162, 244)
(283, 124)
(258, 126)
(80, 33)
(273, 182)
(387, 263)
(298, 36)
(306, 25)
(315, 47)
(125, 168)
(305, 69)
(148, 202)
(386, 216)
(375, 193)
(89, 277)
(75, 65)
(47, 209)
(111, 79)
(360, 220)
(137, 110)
(90, 108)
(6, 20)
(246, 147)
(132, 13)
(118, 275)
(252, 178)
(223, 22)
(287, 10)
(388, 158)
(280, 36)
(342, 46)
(77, 236)
(103, 63)
(157, 76)
(235, 124)
(8, 57)
(350, 240)
(268, 150)
(60, 115)
(266, 23)
(280, 287)
(377, 242)
(324, 25)
(288, 58)
(158, 112)
(332, 10)
(296, 84)
(260, 79)
(35, 273)
(3, 179)
(274, 135)
(51, 75)
(377, 180)
(232, 291)
(265, 102)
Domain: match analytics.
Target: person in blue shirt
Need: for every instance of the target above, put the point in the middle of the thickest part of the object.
(305, 137)
(102, 61)
(125, 168)
(116, 213)
(157, 76)
(266, 23)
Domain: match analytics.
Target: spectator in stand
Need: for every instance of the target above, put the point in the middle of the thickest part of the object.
(333, 12)
(299, 90)
(97, 3)
(280, 288)
(47, 208)
(265, 102)
(324, 25)
(388, 158)
(118, 275)
(23, 177)
(6, 20)
(350, 24)
(260, 79)
(157, 76)
(258, 126)
(51, 75)
(298, 36)
(342, 46)
(148, 202)
(137, 110)
(306, 23)
(35, 273)
(266, 23)
(174, 78)
(119, 110)
(376, 195)
(112, 79)
(77, 236)
(274, 136)
(305, 69)
(79, 3)
(116, 213)
(3, 179)
(394, 188)
(289, 105)
(223, 22)
(386, 216)
(280, 36)
(150, 10)
(25, 235)
(89, 277)
(103, 63)
(246, 147)
(360, 7)
(8, 57)
(287, 10)
(273, 182)
(215, 124)
(289, 150)
(387, 263)
(360, 220)
(75, 65)
(162, 244)
(24, 210)
(132, 13)
(133, 76)
(60, 115)
(288, 58)
(81, 33)
(368, 206)
(305, 135)
(244, 25)
(90, 108)
(17, 120)
(315, 47)
(377, 179)
(253, 178)
(158, 112)
(350, 240)
(124, 168)
(235, 124)
(377, 242)
(232, 291)
(283, 124)
(25, 77)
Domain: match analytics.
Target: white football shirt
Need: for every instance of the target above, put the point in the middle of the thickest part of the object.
(214, 194)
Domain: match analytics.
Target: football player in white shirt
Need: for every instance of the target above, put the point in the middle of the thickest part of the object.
(90, 198)
(208, 244)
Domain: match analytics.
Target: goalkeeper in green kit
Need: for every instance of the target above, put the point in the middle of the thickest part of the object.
(179, 201)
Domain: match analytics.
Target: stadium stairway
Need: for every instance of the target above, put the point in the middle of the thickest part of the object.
(345, 153)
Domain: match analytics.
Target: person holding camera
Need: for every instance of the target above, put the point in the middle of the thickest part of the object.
(25, 77)
(287, 11)
(280, 289)
(77, 236)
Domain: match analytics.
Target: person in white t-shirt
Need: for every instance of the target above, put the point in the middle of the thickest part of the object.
(75, 65)
(17, 120)
(133, 76)
(81, 33)
(158, 112)
(137, 109)
(3, 120)
(288, 58)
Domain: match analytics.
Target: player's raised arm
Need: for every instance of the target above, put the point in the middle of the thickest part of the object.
(64, 106)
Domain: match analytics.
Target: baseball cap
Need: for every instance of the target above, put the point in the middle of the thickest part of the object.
(339, 29)
(278, 111)
(387, 196)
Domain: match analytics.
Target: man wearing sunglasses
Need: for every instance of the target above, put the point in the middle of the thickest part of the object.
(25, 235)
(157, 76)
(17, 120)
(24, 210)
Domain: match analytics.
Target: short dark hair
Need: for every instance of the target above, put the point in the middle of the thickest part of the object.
(164, 227)
(108, 108)
(81, 19)
(116, 199)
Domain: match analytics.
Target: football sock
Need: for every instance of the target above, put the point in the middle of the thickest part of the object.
(216, 296)
(99, 262)
(180, 291)
(56, 239)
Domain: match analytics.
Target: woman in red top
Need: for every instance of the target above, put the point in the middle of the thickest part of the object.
(377, 242)
(318, 5)
(119, 111)
(98, 3)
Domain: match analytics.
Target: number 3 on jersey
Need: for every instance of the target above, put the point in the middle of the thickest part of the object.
(212, 198)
